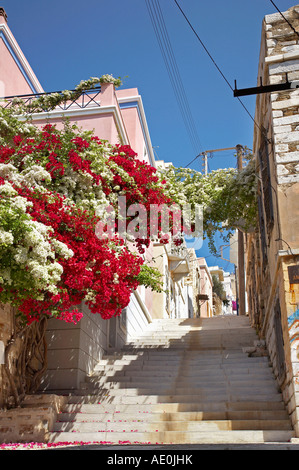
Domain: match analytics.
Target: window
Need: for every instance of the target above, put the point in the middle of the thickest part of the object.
(263, 241)
(123, 317)
(280, 356)
(266, 183)
(112, 337)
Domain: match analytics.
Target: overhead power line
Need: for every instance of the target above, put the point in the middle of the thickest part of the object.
(195, 158)
(168, 55)
(214, 62)
(205, 152)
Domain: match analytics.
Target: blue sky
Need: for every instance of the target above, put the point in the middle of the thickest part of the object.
(67, 41)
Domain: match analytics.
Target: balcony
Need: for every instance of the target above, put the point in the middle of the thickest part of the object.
(82, 100)
(179, 261)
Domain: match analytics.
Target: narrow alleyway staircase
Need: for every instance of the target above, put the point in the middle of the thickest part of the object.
(182, 381)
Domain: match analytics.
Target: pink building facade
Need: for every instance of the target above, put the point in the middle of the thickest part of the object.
(118, 117)
(17, 77)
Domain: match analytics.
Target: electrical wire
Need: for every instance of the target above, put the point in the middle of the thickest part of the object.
(195, 158)
(272, 149)
(172, 68)
(218, 252)
(173, 71)
(214, 62)
(167, 52)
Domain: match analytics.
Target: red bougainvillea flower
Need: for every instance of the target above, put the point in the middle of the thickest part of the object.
(97, 274)
(83, 170)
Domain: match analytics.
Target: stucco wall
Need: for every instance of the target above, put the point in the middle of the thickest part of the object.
(74, 350)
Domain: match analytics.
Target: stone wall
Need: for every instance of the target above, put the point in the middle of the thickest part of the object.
(74, 350)
(282, 61)
(291, 300)
(33, 421)
(274, 247)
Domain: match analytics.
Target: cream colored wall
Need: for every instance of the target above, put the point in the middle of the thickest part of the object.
(159, 299)
(268, 283)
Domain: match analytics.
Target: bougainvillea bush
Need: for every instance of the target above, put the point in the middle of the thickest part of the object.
(228, 197)
(55, 186)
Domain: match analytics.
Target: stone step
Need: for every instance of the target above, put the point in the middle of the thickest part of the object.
(154, 352)
(181, 347)
(92, 404)
(202, 326)
(174, 437)
(192, 336)
(147, 426)
(189, 382)
(196, 377)
(203, 323)
(153, 364)
(124, 374)
(183, 372)
(124, 354)
(180, 332)
(201, 345)
(176, 394)
(174, 366)
(151, 395)
(152, 355)
(172, 388)
(108, 396)
(174, 361)
(199, 333)
(199, 337)
(180, 354)
(183, 332)
(197, 328)
(227, 371)
(182, 381)
(199, 375)
(152, 416)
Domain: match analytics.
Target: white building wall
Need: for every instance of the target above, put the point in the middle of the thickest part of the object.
(74, 350)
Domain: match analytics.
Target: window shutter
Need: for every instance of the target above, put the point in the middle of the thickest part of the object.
(266, 184)
(280, 356)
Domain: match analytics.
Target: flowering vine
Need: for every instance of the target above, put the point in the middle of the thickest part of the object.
(61, 181)
(228, 197)
(55, 188)
(49, 101)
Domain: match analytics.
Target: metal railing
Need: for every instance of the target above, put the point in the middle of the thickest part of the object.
(180, 250)
(86, 99)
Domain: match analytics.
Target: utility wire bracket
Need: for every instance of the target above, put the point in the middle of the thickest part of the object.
(265, 88)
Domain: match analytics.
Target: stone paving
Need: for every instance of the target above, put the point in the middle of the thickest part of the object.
(185, 381)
